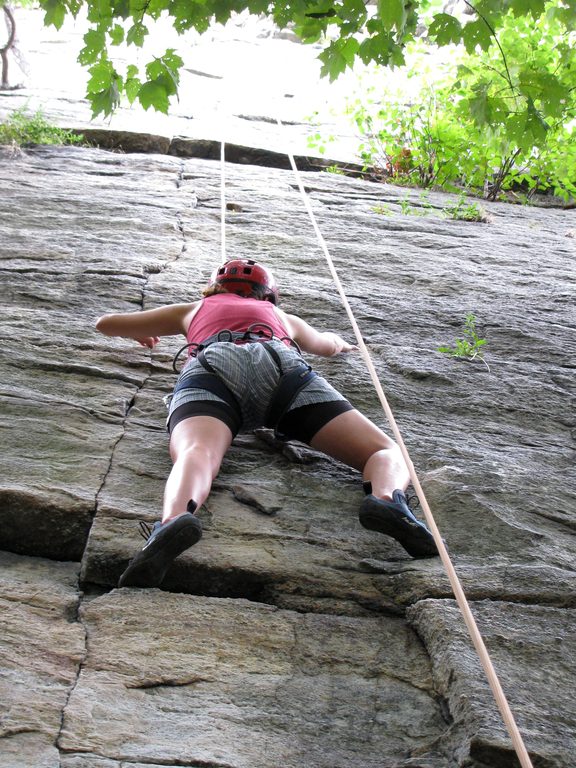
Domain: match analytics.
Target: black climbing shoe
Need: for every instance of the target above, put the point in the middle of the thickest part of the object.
(165, 543)
(395, 518)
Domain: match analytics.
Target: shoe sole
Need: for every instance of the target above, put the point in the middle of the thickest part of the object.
(149, 566)
(415, 539)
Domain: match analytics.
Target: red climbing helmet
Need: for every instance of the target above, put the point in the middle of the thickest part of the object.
(241, 275)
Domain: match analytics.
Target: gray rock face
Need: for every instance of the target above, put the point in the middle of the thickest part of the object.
(42, 648)
(254, 685)
(289, 636)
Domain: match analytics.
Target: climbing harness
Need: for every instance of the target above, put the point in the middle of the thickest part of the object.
(461, 599)
(289, 386)
(257, 332)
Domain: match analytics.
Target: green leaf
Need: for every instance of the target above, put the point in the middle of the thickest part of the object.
(483, 108)
(566, 15)
(102, 75)
(170, 60)
(320, 9)
(117, 34)
(154, 94)
(132, 86)
(95, 42)
(546, 88)
(222, 11)
(528, 128)
(353, 11)
(72, 5)
(382, 49)
(186, 16)
(166, 70)
(476, 34)
(154, 8)
(105, 101)
(523, 7)
(55, 13)
(339, 55)
(479, 105)
(491, 10)
(535, 123)
(445, 29)
(136, 34)
(463, 349)
(258, 7)
(516, 129)
(392, 14)
(310, 30)
(99, 11)
(120, 9)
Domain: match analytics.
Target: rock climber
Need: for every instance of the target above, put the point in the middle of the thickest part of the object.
(244, 371)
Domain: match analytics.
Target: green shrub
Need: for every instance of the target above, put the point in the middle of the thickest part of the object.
(490, 121)
(23, 129)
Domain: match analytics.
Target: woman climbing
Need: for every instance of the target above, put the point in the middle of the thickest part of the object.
(245, 371)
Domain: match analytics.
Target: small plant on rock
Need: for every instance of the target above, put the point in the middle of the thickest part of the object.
(470, 347)
(424, 198)
(22, 128)
(405, 206)
(464, 210)
(335, 168)
(382, 208)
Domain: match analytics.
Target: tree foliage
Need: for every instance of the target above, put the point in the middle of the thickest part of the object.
(350, 30)
(497, 119)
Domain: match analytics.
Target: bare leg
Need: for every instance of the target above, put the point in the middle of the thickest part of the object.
(356, 441)
(353, 439)
(197, 447)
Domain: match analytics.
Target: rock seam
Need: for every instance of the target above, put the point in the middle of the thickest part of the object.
(78, 616)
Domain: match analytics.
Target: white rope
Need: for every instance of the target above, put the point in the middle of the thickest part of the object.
(222, 201)
(475, 635)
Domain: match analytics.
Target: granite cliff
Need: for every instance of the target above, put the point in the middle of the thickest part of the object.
(289, 636)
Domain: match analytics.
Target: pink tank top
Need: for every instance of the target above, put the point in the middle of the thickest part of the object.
(234, 313)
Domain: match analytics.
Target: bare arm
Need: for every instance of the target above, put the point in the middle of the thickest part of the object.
(146, 327)
(324, 343)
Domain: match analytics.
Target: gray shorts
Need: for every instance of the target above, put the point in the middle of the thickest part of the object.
(251, 374)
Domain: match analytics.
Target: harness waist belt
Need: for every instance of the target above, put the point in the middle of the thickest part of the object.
(257, 332)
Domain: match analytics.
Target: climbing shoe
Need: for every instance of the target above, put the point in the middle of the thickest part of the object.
(164, 543)
(395, 519)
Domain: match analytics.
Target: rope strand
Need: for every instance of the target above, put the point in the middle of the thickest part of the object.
(469, 620)
(222, 201)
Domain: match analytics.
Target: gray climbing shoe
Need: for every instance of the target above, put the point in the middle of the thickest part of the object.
(164, 544)
(395, 519)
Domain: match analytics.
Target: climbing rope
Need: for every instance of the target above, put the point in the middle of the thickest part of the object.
(461, 599)
(222, 201)
(463, 604)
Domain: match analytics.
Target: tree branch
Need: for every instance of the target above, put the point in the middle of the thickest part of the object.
(508, 77)
(11, 24)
